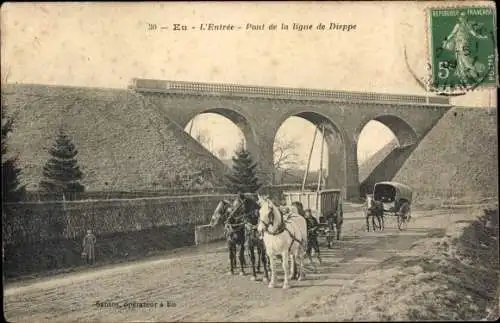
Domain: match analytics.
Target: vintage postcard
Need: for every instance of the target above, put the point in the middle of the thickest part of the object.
(249, 161)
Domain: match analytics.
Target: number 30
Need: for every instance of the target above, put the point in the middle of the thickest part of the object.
(444, 71)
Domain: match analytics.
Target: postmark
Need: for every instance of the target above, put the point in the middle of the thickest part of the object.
(462, 49)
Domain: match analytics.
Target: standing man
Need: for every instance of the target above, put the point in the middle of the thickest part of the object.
(89, 247)
(239, 209)
(312, 235)
(240, 206)
(241, 198)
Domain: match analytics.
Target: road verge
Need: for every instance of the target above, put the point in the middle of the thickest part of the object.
(454, 276)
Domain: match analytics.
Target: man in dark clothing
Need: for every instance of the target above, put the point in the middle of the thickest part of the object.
(242, 200)
(239, 215)
(89, 247)
(312, 235)
(238, 207)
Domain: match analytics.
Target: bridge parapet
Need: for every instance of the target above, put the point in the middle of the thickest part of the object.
(218, 89)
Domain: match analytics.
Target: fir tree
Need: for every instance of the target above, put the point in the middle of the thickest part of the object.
(243, 177)
(61, 172)
(12, 190)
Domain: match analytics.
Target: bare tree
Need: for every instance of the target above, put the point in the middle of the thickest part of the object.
(285, 156)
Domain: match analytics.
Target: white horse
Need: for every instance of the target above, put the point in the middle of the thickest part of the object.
(287, 238)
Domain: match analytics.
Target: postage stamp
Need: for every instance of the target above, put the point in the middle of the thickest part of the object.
(463, 53)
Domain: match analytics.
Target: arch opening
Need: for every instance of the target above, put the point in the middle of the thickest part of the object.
(221, 132)
(216, 133)
(403, 132)
(375, 142)
(292, 147)
(383, 144)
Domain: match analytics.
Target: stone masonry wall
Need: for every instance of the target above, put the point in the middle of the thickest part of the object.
(125, 230)
(35, 221)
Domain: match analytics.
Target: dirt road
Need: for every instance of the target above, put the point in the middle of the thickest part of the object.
(195, 286)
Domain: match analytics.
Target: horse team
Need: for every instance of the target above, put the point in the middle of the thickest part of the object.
(264, 228)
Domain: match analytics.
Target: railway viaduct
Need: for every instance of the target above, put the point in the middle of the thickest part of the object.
(260, 111)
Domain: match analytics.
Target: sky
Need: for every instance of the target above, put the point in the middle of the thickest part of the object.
(108, 44)
(223, 133)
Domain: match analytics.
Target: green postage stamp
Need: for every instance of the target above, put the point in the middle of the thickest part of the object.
(463, 52)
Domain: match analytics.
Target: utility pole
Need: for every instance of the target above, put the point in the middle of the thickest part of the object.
(309, 159)
(191, 126)
(320, 174)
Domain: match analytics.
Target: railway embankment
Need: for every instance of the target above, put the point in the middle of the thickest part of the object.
(457, 161)
(449, 276)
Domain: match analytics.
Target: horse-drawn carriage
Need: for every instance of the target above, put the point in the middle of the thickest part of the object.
(389, 198)
(325, 206)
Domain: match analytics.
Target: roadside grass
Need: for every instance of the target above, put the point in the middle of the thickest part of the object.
(451, 275)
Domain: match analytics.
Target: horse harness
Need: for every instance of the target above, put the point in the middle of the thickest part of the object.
(375, 209)
(229, 227)
(282, 228)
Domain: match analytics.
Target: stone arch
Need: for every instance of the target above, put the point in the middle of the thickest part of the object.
(335, 139)
(402, 130)
(385, 164)
(251, 138)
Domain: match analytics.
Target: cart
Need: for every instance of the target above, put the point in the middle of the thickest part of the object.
(325, 206)
(396, 199)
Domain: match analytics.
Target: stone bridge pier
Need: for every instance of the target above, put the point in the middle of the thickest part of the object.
(260, 111)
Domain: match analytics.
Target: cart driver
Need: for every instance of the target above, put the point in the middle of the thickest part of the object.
(240, 202)
(312, 235)
(241, 197)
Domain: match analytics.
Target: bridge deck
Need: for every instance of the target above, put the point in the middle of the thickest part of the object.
(199, 88)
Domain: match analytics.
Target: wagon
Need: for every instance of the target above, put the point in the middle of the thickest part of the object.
(326, 207)
(396, 199)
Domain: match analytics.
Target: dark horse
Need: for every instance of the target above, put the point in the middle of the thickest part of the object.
(375, 210)
(234, 231)
(254, 239)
